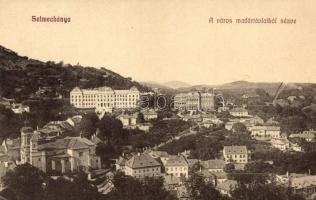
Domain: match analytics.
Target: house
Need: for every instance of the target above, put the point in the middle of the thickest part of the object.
(171, 182)
(56, 129)
(265, 132)
(177, 165)
(282, 143)
(216, 165)
(226, 187)
(192, 118)
(19, 108)
(272, 121)
(303, 184)
(308, 136)
(239, 112)
(236, 154)
(58, 155)
(162, 155)
(229, 125)
(192, 162)
(142, 165)
(149, 114)
(128, 120)
(144, 126)
(74, 121)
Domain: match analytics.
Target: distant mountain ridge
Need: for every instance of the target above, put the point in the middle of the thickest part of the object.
(270, 87)
(176, 84)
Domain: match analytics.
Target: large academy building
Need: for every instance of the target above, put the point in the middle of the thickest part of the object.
(105, 97)
(194, 101)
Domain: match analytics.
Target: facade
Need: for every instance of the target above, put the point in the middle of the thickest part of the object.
(282, 144)
(239, 112)
(207, 101)
(105, 98)
(266, 132)
(194, 101)
(213, 165)
(141, 166)
(303, 184)
(149, 114)
(60, 155)
(176, 166)
(128, 120)
(18, 108)
(308, 136)
(236, 154)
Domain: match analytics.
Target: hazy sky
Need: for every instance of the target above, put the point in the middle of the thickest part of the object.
(163, 40)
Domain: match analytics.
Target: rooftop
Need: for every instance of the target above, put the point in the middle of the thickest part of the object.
(176, 161)
(238, 109)
(67, 143)
(303, 182)
(213, 164)
(235, 150)
(142, 161)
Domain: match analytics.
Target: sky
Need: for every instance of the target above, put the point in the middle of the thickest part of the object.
(166, 40)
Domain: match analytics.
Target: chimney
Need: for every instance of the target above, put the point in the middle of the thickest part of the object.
(287, 174)
(309, 171)
(138, 154)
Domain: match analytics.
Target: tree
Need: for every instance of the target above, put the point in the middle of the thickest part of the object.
(6, 119)
(129, 188)
(109, 127)
(239, 128)
(26, 182)
(88, 124)
(140, 117)
(198, 189)
(263, 191)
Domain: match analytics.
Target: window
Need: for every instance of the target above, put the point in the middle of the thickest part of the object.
(80, 154)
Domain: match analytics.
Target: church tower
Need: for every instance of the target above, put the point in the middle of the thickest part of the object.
(26, 134)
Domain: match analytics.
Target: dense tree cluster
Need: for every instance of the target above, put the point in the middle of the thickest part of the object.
(128, 188)
(26, 182)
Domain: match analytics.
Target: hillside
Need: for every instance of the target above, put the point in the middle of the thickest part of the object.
(176, 84)
(21, 76)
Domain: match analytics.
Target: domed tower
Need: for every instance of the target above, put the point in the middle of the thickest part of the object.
(26, 134)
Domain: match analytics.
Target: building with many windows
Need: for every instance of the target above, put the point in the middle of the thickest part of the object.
(140, 165)
(266, 132)
(61, 155)
(105, 97)
(236, 154)
(194, 101)
(239, 112)
(176, 165)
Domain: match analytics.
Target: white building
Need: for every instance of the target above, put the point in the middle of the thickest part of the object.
(308, 136)
(239, 112)
(236, 154)
(177, 166)
(194, 101)
(141, 166)
(266, 132)
(216, 165)
(104, 97)
(149, 114)
(282, 144)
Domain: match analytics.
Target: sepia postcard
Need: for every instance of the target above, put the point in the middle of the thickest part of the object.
(158, 100)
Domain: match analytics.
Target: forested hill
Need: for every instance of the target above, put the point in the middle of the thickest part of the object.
(21, 76)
